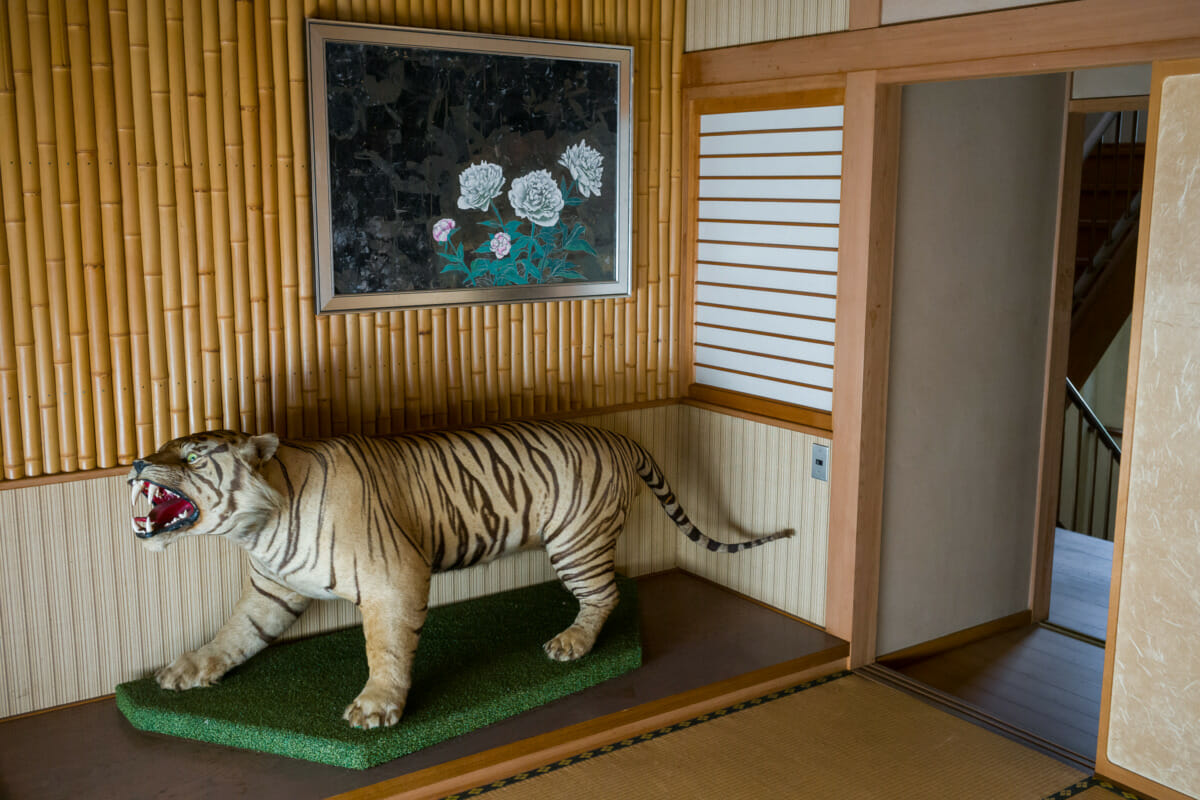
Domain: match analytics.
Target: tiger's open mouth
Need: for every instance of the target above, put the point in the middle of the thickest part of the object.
(168, 510)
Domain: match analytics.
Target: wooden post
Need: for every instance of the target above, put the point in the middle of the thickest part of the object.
(869, 181)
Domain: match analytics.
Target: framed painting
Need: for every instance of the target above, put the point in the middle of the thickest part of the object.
(452, 168)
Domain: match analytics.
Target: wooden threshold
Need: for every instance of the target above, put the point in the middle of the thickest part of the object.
(482, 768)
(953, 641)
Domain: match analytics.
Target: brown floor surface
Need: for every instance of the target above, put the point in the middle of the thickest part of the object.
(1039, 680)
(693, 634)
(1079, 583)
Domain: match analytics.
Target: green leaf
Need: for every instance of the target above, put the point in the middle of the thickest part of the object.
(487, 223)
(574, 201)
(486, 247)
(580, 246)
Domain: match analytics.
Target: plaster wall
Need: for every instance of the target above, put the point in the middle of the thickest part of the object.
(979, 167)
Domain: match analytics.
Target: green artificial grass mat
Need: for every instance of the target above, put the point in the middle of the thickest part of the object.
(478, 662)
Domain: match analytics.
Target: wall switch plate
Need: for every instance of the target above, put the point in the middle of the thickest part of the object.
(820, 462)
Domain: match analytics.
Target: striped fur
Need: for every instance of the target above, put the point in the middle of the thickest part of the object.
(370, 519)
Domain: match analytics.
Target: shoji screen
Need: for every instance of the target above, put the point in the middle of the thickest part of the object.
(767, 186)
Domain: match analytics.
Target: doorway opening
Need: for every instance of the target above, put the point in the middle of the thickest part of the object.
(965, 401)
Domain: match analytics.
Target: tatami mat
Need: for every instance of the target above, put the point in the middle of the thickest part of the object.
(847, 737)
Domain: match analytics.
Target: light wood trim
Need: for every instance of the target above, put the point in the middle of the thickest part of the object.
(730, 411)
(953, 641)
(1058, 338)
(761, 407)
(1095, 105)
(1104, 767)
(865, 14)
(1044, 38)
(501, 762)
(861, 354)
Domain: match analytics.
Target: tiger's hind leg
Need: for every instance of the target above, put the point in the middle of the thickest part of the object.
(591, 578)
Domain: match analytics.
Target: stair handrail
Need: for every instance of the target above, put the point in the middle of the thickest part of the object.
(1076, 399)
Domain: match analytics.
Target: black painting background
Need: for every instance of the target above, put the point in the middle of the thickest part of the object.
(404, 122)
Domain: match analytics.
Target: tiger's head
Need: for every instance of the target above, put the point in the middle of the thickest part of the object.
(206, 483)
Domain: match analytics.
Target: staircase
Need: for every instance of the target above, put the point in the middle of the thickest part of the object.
(1105, 259)
(1106, 241)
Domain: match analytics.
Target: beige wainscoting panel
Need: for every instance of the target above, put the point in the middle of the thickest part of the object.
(83, 606)
(739, 479)
(1154, 721)
(721, 23)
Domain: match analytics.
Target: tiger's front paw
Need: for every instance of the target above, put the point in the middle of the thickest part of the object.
(191, 670)
(376, 708)
(571, 644)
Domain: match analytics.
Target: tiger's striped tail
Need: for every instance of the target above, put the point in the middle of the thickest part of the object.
(649, 472)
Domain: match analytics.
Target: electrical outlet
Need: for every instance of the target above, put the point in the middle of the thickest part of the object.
(820, 462)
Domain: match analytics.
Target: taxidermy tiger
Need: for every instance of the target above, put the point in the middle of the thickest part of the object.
(370, 519)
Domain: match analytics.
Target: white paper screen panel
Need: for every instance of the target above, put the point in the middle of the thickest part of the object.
(767, 215)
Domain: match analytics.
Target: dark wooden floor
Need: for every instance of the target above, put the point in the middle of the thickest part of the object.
(1035, 678)
(693, 634)
(1080, 582)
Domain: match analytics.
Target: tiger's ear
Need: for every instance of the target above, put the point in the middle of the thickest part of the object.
(259, 449)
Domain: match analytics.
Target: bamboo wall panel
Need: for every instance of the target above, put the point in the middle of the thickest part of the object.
(719, 23)
(155, 263)
(84, 606)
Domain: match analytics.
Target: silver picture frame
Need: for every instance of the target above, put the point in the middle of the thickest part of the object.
(454, 169)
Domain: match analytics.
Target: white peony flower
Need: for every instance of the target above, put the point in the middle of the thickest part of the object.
(586, 166)
(479, 184)
(537, 198)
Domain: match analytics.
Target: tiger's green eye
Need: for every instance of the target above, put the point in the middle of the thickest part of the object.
(191, 457)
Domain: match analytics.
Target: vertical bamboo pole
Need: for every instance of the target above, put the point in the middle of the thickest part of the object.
(281, 422)
(659, 158)
(235, 210)
(562, 352)
(68, 188)
(412, 374)
(315, 335)
(635, 307)
(43, 44)
(34, 291)
(425, 368)
(549, 354)
(211, 385)
(383, 375)
(92, 244)
(440, 368)
(10, 382)
(222, 235)
(588, 350)
(148, 212)
(135, 273)
(396, 342)
(108, 157)
(246, 65)
(491, 364)
(366, 369)
(301, 407)
(454, 384)
(467, 403)
(504, 362)
(536, 342)
(188, 350)
(353, 362)
(674, 294)
(162, 247)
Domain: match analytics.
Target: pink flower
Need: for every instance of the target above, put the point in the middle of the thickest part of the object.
(501, 244)
(441, 229)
